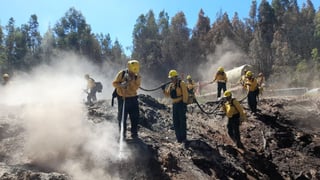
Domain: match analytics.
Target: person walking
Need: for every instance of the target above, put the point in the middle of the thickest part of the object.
(253, 91)
(235, 114)
(91, 90)
(242, 82)
(127, 83)
(177, 91)
(221, 78)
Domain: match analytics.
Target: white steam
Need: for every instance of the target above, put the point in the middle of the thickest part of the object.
(52, 113)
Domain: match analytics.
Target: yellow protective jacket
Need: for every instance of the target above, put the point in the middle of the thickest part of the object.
(133, 84)
(233, 107)
(220, 77)
(181, 91)
(191, 86)
(90, 84)
(251, 84)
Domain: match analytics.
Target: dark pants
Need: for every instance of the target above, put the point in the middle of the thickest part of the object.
(180, 121)
(221, 86)
(252, 100)
(233, 129)
(92, 95)
(131, 108)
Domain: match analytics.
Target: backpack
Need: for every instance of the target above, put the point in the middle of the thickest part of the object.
(99, 87)
(114, 93)
(191, 97)
(232, 104)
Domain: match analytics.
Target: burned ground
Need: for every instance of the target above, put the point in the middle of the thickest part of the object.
(282, 141)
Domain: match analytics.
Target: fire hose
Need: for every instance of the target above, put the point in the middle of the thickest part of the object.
(208, 113)
(214, 110)
(244, 97)
(164, 84)
(195, 100)
(258, 99)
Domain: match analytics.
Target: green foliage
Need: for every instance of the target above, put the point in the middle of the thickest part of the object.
(315, 55)
(23, 47)
(302, 75)
(302, 67)
(317, 25)
(73, 33)
(3, 57)
(276, 38)
(146, 39)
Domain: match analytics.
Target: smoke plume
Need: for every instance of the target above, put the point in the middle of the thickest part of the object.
(56, 133)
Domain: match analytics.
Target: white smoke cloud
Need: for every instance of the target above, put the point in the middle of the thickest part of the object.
(57, 134)
(227, 55)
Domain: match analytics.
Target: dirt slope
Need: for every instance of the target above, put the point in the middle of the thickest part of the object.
(282, 141)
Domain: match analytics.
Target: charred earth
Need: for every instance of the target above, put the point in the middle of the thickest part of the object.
(282, 141)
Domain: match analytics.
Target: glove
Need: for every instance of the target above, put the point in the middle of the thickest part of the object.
(124, 84)
(163, 87)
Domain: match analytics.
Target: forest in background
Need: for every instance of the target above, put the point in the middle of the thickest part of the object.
(279, 39)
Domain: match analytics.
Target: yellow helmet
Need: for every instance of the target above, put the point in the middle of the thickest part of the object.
(227, 94)
(5, 75)
(134, 66)
(172, 73)
(188, 77)
(248, 74)
(220, 69)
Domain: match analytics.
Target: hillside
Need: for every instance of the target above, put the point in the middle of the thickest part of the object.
(282, 141)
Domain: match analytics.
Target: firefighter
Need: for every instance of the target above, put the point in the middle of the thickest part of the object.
(177, 91)
(253, 91)
(91, 89)
(191, 86)
(221, 78)
(127, 83)
(242, 81)
(243, 78)
(5, 78)
(236, 115)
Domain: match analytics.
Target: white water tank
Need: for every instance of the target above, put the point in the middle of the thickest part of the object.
(235, 74)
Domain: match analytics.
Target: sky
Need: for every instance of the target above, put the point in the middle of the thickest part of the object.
(118, 17)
